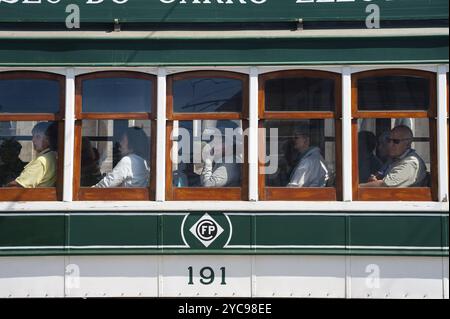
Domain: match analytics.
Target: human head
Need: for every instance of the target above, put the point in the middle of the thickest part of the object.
(301, 138)
(400, 140)
(134, 140)
(10, 150)
(45, 136)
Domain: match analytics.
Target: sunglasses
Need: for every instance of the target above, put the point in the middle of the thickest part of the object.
(397, 141)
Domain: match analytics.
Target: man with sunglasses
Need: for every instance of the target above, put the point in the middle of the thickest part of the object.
(405, 167)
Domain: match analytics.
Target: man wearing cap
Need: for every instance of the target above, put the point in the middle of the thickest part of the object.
(405, 167)
(311, 170)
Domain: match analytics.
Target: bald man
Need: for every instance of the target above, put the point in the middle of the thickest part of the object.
(405, 167)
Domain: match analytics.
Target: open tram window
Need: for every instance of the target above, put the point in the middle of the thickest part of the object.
(300, 142)
(207, 114)
(31, 136)
(394, 135)
(115, 136)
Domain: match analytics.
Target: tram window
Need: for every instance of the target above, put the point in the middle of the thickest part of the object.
(28, 154)
(115, 137)
(207, 95)
(208, 153)
(393, 93)
(394, 153)
(29, 96)
(301, 136)
(300, 153)
(116, 95)
(394, 142)
(31, 126)
(300, 94)
(207, 114)
(115, 153)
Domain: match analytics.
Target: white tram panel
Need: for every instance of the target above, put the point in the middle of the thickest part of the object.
(206, 276)
(31, 277)
(396, 277)
(300, 276)
(111, 276)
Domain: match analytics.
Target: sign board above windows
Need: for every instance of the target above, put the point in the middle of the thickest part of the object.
(188, 11)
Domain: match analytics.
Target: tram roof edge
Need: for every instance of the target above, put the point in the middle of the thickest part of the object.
(248, 34)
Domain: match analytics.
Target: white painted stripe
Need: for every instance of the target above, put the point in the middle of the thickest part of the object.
(69, 136)
(442, 139)
(253, 147)
(238, 206)
(336, 214)
(347, 134)
(161, 137)
(227, 247)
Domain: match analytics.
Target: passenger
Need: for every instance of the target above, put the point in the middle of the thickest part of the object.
(223, 172)
(41, 172)
(405, 167)
(368, 163)
(311, 170)
(90, 170)
(12, 165)
(132, 170)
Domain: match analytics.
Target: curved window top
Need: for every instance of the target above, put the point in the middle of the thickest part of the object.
(29, 95)
(207, 95)
(291, 94)
(393, 93)
(117, 95)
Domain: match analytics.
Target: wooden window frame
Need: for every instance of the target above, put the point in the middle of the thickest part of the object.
(388, 193)
(206, 193)
(113, 193)
(301, 194)
(42, 193)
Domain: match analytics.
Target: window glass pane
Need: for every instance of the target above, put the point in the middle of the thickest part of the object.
(206, 95)
(393, 93)
(394, 152)
(300, 153)
(115, 153)
(300, 94)
(29, 96)
(28, 154)
(207, 153)
(117, 95)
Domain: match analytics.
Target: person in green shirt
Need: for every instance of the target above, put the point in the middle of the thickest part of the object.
(41, 172)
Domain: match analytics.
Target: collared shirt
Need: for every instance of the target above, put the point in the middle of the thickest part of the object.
(40, 172)
(407, 171)
(311, 170)
(131, 171)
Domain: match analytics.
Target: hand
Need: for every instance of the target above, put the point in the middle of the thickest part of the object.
(372, 178)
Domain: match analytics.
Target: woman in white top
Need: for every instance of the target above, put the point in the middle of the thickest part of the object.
(133, 169)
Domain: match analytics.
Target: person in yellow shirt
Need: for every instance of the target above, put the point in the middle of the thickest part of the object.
(40, 172)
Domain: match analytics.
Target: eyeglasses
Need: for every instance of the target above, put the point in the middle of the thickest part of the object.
(397, 141)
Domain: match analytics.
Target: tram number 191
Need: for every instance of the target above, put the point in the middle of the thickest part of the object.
(207, 276)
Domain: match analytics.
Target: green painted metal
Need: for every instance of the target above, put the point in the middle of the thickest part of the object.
(251, 234)
(300, 230)
(227, 11)
(395, 231)
(24, 231)
(113, 231)
(294, 51)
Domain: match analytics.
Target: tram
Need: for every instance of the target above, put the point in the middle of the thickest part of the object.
(284, 148)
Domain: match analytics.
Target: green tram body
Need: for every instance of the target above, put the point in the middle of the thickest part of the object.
(340, 249)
